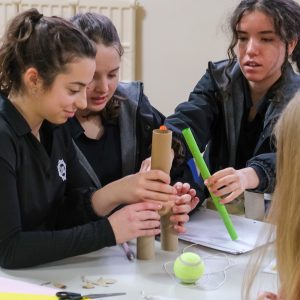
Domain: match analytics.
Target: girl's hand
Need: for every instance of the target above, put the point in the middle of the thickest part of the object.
(151, 186)
(135, 220)
(185, 204)
(229, 183)
(146, 165)
(267, 296)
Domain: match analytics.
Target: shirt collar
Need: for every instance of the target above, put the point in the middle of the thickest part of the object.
(13, 117)
(75, 127)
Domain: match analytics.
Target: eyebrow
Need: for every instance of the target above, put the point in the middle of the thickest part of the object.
(260, 32)
(114, 70)
(111, 71)
(79, 83)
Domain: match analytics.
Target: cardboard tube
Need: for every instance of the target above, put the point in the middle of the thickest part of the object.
(168, 236)
(145, 247)
(161, 160)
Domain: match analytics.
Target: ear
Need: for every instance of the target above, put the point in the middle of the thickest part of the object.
(31, 78)
(291, 46)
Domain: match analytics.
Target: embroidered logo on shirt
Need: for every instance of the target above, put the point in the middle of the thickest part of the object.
(62, 169)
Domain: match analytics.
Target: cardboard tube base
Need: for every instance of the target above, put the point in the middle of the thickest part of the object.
(168, 236)
(145, 248)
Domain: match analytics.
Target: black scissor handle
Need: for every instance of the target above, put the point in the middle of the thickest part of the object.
(68, 296)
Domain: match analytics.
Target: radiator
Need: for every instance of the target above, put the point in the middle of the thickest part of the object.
(121, 12)
(8, 9)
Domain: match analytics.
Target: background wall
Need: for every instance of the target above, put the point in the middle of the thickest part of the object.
(175, 41)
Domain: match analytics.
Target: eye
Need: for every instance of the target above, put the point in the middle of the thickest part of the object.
(73, 92)
(242, 38)
(267, 40)
(113, 75)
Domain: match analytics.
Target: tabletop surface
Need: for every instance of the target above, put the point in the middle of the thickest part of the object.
(143, 279)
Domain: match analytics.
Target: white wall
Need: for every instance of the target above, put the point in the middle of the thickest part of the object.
(175, 40)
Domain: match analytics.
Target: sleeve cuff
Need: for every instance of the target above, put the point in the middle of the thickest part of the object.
(262, 176)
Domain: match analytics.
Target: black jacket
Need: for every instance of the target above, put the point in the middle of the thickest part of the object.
(214, 113)
(137, 118)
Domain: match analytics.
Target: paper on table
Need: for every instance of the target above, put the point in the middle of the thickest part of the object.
(17, 296)
(271, 267)
(8, 285)
(206, 228)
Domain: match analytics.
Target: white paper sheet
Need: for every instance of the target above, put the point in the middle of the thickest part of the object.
(8, 285)
(206, 228)
(271, 267)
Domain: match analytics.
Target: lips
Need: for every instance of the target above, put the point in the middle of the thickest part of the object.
(251, 64)
(98, 100)
(70, 114)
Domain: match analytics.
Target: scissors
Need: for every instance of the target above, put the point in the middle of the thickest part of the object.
(76, 296)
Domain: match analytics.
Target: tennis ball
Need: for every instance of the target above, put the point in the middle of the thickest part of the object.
(188, 267)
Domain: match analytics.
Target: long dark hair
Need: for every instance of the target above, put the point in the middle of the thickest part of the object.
(286, 17)
(45, 43)
(101, 30)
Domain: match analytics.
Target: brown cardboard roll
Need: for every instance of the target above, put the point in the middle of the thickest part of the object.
(161, 159)
(168, 236)
(145, 247)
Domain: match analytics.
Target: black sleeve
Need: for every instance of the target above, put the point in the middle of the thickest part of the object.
(265, 167)
(24, 248)
(199, 114)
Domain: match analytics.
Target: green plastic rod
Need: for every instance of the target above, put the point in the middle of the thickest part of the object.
(190, 140)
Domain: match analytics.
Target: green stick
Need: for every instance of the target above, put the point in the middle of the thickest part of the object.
(190, 140)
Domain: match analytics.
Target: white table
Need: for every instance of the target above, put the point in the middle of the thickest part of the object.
(137, 277)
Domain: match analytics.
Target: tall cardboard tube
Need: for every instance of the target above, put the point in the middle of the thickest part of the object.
(161, 160)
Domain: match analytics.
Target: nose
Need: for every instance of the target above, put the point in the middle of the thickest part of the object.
(101, 85)
(252, 47)
(81, 101)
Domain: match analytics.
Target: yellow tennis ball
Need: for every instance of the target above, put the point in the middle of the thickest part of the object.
(188, 267)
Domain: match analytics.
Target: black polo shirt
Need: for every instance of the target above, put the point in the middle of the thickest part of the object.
(104, 154)
(44, 194)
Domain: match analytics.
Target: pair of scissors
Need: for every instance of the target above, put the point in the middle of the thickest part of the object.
(76, 296)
